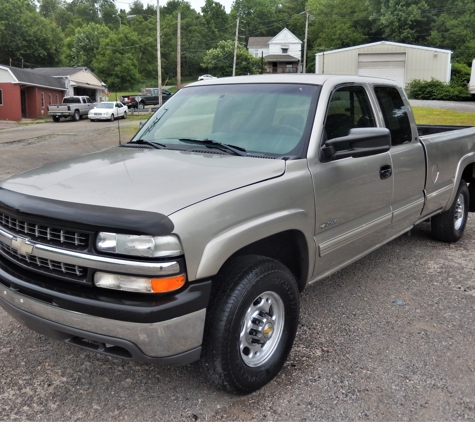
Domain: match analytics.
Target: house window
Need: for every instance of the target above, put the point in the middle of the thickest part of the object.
(50, 99)
(57, 99)
(42, 100)
(285, 50)
(1, 97)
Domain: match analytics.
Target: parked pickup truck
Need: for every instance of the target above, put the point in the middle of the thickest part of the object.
(149, 96)
(194, 240)
(74, 107)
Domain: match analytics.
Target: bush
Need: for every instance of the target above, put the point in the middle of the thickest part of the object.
(437, 90)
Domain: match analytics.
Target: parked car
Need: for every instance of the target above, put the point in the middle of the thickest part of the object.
(74, 107)
(149, 96)
(206, 77)
(108, 110)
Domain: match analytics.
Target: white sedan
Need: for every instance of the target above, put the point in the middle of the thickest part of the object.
(206, 77)
(108, 110)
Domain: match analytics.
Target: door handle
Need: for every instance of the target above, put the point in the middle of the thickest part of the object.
(385, 171)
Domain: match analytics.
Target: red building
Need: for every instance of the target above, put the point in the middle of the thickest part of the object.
(25, 93)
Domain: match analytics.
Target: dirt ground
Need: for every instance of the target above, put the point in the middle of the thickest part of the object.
(389, 338)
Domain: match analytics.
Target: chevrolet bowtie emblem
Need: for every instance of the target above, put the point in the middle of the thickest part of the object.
(21, 245)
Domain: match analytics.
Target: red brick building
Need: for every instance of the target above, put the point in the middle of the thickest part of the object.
(25, 93)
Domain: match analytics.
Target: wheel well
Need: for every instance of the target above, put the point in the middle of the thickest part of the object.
(289, 248)
(469, 176)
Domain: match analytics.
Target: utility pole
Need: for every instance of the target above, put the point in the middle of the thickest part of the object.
(235, 47)
(305, 41)
(159, 58)
(178, 53)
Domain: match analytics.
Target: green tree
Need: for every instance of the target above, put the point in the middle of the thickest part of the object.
(217, 22)
(258, 18)
(27, 36)
(86, 43)
(219, 60)
(116, 59)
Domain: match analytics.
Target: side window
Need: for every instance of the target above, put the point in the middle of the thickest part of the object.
(1, 97)
(394, 114)
(349, 108)
(42, 100)
(50, 99)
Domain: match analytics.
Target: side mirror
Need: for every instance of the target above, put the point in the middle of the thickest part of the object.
(360, 142)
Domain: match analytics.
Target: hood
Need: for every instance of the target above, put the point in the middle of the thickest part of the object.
(161, 181)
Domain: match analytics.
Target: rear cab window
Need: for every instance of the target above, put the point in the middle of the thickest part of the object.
(394, 113)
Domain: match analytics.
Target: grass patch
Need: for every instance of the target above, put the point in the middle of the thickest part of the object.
(440, 116)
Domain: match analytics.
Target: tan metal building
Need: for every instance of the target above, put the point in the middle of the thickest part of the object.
(385, 59)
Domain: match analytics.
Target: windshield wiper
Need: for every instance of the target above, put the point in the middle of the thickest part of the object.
(155, 145)
(218, 145)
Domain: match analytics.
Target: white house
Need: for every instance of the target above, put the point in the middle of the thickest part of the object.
(282, 52)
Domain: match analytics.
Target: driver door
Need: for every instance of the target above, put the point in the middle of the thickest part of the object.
(353, 195)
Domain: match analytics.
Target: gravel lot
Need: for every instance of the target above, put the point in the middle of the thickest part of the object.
(389, 338)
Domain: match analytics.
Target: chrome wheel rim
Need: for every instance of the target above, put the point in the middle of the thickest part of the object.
(261, 329)
(459, 212)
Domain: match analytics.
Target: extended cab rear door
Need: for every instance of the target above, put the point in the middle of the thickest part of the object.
(353, 195)
(407, 157)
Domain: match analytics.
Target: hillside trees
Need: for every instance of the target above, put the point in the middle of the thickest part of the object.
(26, 36)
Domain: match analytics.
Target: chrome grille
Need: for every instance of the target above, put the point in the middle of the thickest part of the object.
(45, 265)
(42, 233)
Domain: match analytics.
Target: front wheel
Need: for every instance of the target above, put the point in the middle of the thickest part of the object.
(251, 324)
(450, 225)
(125, 115)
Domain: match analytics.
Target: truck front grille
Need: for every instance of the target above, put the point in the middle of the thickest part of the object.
(46, 234)
(59, 269)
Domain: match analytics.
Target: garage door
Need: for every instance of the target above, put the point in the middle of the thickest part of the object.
(390, 66)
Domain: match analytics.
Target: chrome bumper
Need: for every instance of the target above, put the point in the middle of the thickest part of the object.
(156, 340)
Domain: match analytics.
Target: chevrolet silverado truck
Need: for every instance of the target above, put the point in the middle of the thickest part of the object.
(73, 107)
(194, 240)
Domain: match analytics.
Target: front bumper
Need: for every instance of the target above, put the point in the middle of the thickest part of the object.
(174, 338)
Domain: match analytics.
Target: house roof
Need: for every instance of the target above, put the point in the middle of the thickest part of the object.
(256, 42)
(60, 71)
(281, 58)
(30, 77)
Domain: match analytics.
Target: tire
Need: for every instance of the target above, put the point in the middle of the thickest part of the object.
(250, 325)
(125, 115)
(141, 106)
(112, 117)
(92, 120)
(450, 225)
(56, 119)
(76, 116)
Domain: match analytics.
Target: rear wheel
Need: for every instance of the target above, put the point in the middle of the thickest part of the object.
(450, 225)
(76, 116)
(56, 119)
(251, 324)
(141, 106)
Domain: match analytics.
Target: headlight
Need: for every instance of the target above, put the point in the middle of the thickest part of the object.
(139, 284)
(147, 246)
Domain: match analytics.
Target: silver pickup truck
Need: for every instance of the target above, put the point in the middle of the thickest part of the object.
(72, 107)
(194, 240)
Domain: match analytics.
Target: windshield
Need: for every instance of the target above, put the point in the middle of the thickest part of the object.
(262, 119)
(105, 105)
